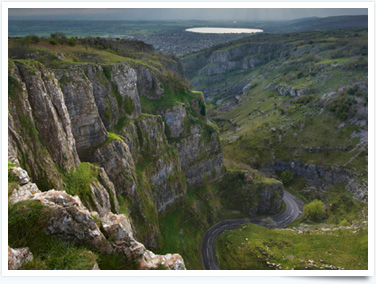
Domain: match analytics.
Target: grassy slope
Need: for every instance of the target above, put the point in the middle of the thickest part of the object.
(266, 126)
(251, 246)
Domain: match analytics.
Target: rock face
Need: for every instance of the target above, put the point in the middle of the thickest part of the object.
(69, 219)
(118, 163)
(148, 84)
(322, 177)
(115, 92)
(147, 140)
(18, 257)
(287, 90)
(251, 196)
(202, 158)
(39, 128)
(87, 127)
(243, 56)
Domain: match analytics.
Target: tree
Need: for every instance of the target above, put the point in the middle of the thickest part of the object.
(286, 177)
(314, 211)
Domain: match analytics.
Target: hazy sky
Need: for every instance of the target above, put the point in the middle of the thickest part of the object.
(177, 14)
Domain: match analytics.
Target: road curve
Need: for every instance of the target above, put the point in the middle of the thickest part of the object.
(294, 208)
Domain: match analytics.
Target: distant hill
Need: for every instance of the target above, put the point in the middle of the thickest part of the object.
(171, 37)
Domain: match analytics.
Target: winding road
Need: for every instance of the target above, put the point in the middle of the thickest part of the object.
(294, 208)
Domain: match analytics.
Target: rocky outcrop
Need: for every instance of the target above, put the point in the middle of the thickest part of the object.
(118, 163)
(201, 156)
(118, 228)
(87, 127)
(241, 57)
(176, 119)
(18, 257)
(270, 197)
(322, 177)
(251, 195)
(39, 128)
(115, 92)
(148, 84)
(68, 219)
(147, 141)
(290, 91)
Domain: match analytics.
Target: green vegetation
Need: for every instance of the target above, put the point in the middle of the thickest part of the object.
(78, 181)
(286, 177)
(26, 223)
(314, 211)
(251, 247)
(128, 105)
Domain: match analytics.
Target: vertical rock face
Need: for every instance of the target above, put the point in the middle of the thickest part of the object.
(51, 116)
(197, 142)
(115, 92)
(125, 79)
(87, 127)
(175, 119)
(202, 157)
(39, 127)
(118, 163)
(147, 141)
(148, 85)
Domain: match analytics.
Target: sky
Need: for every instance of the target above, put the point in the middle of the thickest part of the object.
(177, 14)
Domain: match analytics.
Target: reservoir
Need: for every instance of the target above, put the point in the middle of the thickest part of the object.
(207, 30)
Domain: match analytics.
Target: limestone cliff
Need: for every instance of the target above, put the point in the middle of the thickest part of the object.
(65, 217)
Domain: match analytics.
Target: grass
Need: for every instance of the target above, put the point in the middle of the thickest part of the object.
(243, 248)
(26, 223)
(78, 181)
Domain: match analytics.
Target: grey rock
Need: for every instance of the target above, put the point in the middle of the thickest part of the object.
(87, 127)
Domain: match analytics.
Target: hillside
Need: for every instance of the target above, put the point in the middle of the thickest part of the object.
(170, 36)
(109, 145)
(294, 107)
(292, 102)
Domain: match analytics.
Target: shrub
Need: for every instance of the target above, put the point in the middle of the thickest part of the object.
(71, 42)
(314, 211)
(286, 177)
(77, 181)
(52, 41)
(344, 223)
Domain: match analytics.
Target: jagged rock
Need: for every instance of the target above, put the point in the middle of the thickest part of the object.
(321, 177)
(287, 90)
(119, 229)
(148, 84)
(87, 127)
(18, 257)
(37, 113)
(115, 92)
(24, 192)
(118, 163)
(21, 175)
(200, 158)
(51, 117)
(146, 137)
(175, 119)
(110, 188)
(271, 197)
(70, 220)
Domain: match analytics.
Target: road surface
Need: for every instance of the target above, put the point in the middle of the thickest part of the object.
(294, 208)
